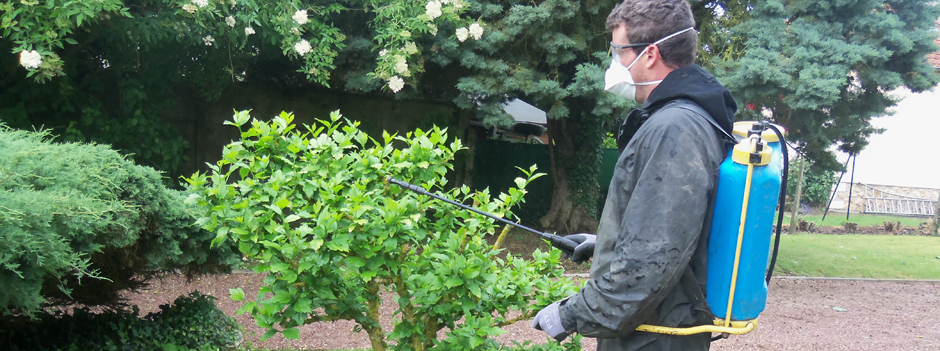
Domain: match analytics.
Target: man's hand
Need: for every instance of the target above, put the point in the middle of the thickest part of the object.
(549, 321)
(585, 248)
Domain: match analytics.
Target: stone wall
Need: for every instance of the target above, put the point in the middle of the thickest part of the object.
(861, 192)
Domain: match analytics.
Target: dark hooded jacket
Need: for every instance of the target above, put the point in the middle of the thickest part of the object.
(652, 244)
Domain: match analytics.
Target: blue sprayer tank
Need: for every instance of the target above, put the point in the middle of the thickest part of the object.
(750, 288)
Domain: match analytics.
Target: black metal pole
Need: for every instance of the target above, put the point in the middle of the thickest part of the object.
(833, 196)
(851, 184)
(561, 243)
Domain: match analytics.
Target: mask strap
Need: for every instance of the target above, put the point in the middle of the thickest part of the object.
(673, 35)
(670, 36)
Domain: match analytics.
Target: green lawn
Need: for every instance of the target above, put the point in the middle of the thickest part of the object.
(859, 256)
(838, 219)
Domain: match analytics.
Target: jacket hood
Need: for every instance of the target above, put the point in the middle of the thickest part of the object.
(695, 84)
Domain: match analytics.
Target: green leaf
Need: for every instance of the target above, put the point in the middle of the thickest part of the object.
(250, 306)
(280, 266)
(520, 182)
(267, 335)
(237, 294)
(289, 276)
(355, 262)
(368, 275)
(315, 244)
(282, 203)
(303, 306)
(453, 282)
(291, 218)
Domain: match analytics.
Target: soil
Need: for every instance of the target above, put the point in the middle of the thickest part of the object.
(801, 315)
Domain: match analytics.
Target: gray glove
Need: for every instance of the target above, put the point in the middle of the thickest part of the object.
(549, 321)
(585, 248)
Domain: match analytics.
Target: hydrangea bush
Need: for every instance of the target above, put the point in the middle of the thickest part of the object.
(333, 238)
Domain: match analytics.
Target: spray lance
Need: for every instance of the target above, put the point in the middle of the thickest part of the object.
(565, 245)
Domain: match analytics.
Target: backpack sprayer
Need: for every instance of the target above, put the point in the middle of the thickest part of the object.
(751, 180)
(752, 183)
(565, 245)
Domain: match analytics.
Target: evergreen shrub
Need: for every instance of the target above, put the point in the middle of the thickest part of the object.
(80, 222)
(191, 323)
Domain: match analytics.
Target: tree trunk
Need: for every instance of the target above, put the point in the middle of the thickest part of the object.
(371, 324)
(936, 218)
(566, 215)
(795, 213)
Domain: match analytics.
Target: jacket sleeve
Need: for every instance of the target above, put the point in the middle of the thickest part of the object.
(667, 184)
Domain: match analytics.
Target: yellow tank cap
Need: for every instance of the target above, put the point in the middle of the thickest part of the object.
(742, 153)
(741, 129)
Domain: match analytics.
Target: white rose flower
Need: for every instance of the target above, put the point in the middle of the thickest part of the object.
(396, 83)
(383, 52)
(201, 3)
(30, 59)
(433, 9)
(476, 31)
(405, 34)
(433, 29)
(190, 8)
(445, 2)
(458, 4)
(230, 21)
(249, 31)
(208, 40)
(462, 33)
(303, 47)
(300, 17)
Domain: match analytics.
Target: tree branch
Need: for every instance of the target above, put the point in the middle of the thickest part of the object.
(524, 316)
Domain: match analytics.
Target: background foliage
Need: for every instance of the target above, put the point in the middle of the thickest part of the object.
(114, 68)
(824, 69)
(312, 207)
(817, 183)
(79, 223)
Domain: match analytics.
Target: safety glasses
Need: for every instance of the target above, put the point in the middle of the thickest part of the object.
(616, 49)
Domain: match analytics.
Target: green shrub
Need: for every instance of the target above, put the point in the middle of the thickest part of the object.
(332, 237)
(817, 184)
(79, 223)
(191, 322)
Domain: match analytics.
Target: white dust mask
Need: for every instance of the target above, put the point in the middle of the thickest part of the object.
(619, 81)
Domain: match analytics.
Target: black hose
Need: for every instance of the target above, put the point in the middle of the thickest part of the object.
(783, 198)
(563, 244)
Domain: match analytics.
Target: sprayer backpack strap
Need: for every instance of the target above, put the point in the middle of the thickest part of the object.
(690, 106)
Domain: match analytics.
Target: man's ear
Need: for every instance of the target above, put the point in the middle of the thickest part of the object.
(653, 56)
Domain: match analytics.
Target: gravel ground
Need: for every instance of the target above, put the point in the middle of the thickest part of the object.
(801, 315)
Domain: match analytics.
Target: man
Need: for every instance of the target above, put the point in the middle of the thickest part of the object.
(652, 243)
